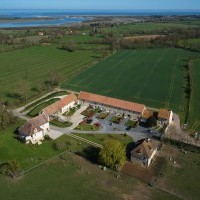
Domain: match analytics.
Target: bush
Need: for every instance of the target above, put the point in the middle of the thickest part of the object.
(46, 137)
(59, 145)
(11, 168)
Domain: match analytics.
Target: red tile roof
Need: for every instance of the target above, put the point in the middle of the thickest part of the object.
(126, 105)
(163, 114)
(58, 105)
(32, 124)
(147, 114)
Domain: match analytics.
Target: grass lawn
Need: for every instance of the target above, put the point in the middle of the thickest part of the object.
(155, 77)
(37, 62)
(182, 177)
(87, 127)
(60, 93)
(89, 112)
(71, 112)
(100, 138)
(60, 124)
(75, 178)
(35, 111)
(116, 119)
(130, 123)
(103, 115)
(70, 176)
(26, 155)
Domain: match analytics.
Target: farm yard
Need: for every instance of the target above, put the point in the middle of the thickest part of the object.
(155, 77)
(33, 66)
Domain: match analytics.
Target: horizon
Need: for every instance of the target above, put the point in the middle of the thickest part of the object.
(103, 4)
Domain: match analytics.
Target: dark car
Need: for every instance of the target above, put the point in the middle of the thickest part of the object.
(89, 121)
(128, 128)
(149, 131)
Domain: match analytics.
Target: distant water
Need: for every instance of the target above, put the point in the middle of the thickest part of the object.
(62, 17)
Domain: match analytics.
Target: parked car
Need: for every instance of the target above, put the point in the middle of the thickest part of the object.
(89, 121)
(111, 124)
(128, 128)
(149, 131)
(97, 124)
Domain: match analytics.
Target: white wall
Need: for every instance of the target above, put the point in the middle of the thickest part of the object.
(35, 137)
(149, 160)
(67, 107)
(170, 117)
(45, 127)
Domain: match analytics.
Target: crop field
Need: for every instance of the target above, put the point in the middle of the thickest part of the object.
(155, 77)
(194, 116)
(36, 63)
(148, 27)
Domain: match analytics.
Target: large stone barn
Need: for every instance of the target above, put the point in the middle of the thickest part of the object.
(61, 106)
(112, 104)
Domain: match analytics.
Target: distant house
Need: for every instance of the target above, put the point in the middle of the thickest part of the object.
(40, 33)
(112, 104)
(164, 117)
(34, 130)
(144, 152)
(61, 106)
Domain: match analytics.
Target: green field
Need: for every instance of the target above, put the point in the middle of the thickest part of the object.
(194, 116)
(37, 63)
(154, 77)
(182, 177)
(149, 27)
(190, 43)
(73, 178)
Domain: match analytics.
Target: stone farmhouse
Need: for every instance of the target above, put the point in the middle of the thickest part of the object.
(144, 152)
(61, 106)
(34, 130)
(111, 104)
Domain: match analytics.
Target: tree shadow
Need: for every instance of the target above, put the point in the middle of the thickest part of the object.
(129, 148)
(90, 153)
(14, 95)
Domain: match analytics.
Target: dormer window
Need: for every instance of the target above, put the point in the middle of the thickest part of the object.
(35, 130)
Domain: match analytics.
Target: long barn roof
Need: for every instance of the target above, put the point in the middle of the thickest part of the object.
(58, 105)
(126, 105)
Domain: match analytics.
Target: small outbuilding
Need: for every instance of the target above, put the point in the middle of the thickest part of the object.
(144, 152)
(164, 117)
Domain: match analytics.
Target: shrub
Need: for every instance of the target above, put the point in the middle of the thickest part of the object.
(59, 145)
(11, 168)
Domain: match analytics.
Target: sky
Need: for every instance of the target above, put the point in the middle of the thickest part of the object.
(102, 4)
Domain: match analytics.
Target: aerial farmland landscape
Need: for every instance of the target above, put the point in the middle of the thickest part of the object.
(100, 100)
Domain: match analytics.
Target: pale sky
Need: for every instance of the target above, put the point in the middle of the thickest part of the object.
(101, 4)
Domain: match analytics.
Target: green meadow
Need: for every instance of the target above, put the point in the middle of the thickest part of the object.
(34, 65)
(155, 77)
